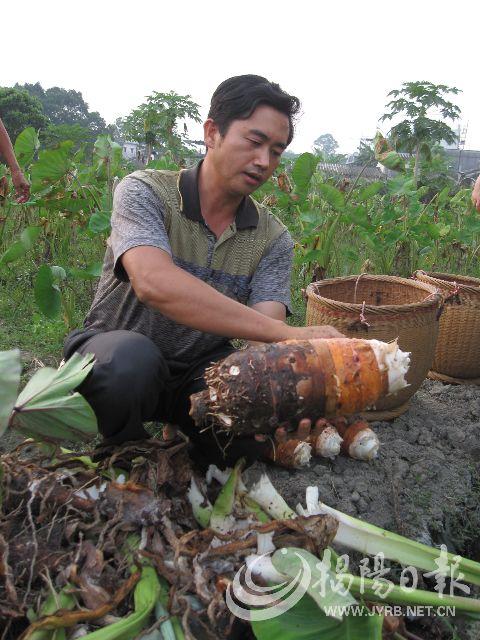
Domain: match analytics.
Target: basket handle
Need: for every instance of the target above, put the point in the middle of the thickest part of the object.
(361, 323)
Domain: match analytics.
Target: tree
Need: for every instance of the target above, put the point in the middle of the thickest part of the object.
(19, 110)
(66, 107)
(417, 132)
(365, 153)
(115, 130)
(155, 123)
(56, 133)
(326, 144)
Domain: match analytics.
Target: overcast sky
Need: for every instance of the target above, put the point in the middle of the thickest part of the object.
(341, 58)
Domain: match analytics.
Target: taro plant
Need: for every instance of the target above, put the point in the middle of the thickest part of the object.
(391, 226)
(46, 409)
(60, 232)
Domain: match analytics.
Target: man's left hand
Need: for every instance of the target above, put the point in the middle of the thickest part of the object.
(302, 432)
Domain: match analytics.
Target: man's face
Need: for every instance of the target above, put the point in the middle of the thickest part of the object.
(250, 151)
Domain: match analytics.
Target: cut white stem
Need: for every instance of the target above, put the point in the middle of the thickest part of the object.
(214, 473)
(394, 361)
(265, 494)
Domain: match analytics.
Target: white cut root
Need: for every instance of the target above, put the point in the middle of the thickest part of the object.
(395, 361)
(328, 443)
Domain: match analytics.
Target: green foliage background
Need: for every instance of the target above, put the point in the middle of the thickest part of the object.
(51, 248)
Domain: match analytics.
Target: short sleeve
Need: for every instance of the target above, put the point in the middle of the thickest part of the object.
(137, 220)
(271, 280)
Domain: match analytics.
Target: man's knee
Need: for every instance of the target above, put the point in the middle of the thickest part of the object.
(128, 367)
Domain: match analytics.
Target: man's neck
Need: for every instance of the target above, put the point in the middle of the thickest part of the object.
(218, 206)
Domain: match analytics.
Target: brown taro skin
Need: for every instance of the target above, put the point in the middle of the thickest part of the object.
(286, 454)
(264, 386)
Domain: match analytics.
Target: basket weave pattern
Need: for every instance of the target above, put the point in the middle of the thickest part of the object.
(458, 347)
(394, 308)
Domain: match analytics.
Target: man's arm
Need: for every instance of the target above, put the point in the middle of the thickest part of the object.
(476, 194)
(271, 309)
(22, 188)
(160, 284)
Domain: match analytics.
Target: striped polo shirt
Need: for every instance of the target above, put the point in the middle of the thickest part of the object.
(250, 262)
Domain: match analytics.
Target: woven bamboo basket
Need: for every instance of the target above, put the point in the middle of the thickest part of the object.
(384, 308)
(457, 355)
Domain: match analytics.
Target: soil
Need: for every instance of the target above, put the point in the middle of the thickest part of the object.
(425, 482)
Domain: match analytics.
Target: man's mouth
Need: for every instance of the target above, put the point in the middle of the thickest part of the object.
(253, 178)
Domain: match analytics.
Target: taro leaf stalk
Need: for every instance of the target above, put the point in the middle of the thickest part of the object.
(202, 509)
(370, 539)
(146, 594)
(221, 518)
(55, 601)
(46, 408)
(171, 628)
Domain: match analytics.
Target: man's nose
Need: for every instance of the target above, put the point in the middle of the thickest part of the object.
(262, 157)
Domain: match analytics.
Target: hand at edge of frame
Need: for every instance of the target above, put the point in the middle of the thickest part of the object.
(22, 187)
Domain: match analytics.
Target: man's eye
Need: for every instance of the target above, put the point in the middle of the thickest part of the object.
(277, 154)
(254, 142)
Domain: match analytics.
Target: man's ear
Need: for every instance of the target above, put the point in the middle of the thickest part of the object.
(211, 134)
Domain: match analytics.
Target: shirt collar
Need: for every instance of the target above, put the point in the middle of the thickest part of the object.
(246, 216)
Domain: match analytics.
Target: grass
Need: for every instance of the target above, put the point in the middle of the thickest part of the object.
(22, 325)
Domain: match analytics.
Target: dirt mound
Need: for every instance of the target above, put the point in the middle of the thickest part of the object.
(425, 482)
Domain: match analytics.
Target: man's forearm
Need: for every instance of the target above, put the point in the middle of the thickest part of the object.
(6, 149)
(191, 302)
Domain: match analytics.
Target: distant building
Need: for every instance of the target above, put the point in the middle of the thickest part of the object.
(129, 150)
(133, 151)
(464, 162)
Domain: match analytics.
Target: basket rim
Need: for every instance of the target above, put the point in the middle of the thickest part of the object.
(449, 281)
(431, 301)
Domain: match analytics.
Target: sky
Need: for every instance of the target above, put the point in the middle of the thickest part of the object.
(340, 58)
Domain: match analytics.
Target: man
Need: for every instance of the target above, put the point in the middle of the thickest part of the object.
(22, 188)
(192, 262)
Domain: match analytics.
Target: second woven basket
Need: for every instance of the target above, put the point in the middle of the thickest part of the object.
(384, 308)
(457, 355)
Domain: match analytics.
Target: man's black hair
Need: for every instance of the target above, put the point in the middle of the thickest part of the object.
(237, 98)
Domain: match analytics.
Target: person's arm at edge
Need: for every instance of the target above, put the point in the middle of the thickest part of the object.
(187, 300)
(476, 194)
(22, 188)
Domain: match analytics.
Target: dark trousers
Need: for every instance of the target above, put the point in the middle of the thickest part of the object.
(132, 383)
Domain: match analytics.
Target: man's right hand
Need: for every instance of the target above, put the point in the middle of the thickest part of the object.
(22, 187)
(313, 332)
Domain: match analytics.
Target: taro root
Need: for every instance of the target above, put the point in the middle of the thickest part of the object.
(291, 454)
(359, 440)
(264, 386)
(325, 440)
